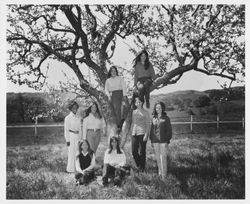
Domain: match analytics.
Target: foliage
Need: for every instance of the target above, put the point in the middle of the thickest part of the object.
(202, 101)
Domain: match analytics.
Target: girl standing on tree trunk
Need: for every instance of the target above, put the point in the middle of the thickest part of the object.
(116, 90)
(144, 76)
(160, 135)
(72, 133)
(93, 126)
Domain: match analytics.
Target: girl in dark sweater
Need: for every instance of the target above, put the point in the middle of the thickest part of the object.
(85, 164)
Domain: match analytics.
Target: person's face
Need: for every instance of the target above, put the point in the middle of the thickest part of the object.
(93, 108)
(74, 109)
(143, 57)
(84, 147)
(114, 144)
(138, 103)
(113, 72)
(158, 109)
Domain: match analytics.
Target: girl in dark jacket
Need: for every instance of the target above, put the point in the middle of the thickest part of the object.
(160, 135)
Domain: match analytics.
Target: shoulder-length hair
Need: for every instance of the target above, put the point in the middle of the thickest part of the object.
(163, 112)
(71, 104)
(138, 59)
(118, 149)
(90, 151)
(110, 69)
(97, 110)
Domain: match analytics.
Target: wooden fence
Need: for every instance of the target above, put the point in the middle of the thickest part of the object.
(191, 123)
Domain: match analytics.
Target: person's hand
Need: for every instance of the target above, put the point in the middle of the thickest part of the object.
(68, 143)
(145, 138)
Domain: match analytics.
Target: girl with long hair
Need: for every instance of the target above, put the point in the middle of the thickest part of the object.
(93, 126)
(116, 90)
(140, 131)
(160, 135)
(114, 163)
(144, 76)
(85, 163)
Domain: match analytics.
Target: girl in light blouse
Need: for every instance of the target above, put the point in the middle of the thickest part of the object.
(114, 163)
(72, 133)
(93, 126)
(140, 131)
(116, 90)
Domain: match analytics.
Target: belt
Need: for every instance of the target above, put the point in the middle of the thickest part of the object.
(75, 132)
(93, 130)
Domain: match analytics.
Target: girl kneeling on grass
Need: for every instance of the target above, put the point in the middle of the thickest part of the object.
(160, 135)
(85, 163)
(114, 163)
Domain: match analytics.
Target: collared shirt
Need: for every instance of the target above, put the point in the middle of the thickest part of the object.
(140, 122)
(114, 159)
(114, 84)
(71, 122)
(140, 71)
(92, 122)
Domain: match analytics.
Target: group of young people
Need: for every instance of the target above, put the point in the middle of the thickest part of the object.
(83, 142)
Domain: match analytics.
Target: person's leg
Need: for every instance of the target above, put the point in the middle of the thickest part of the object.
(108, 171)
(88, 176)
(135, 146)
(116, 100)
(96, 140)
(157, 155)
(72, 153)
(163, 158)
(90, 137)
(147, 84)
(142, 152)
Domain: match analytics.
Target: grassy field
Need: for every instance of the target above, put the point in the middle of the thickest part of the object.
(201, 166)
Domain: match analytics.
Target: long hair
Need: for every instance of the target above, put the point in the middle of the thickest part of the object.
(90, 151)
(117, 146)
(163, 112)
(97, 110)
(110, 69)
(138, 59)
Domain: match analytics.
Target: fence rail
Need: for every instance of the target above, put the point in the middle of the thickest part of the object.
(191, 123)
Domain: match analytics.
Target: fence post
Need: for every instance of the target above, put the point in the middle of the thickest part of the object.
(218, 123)
(36, 121)
(243, 122)
(191, 123)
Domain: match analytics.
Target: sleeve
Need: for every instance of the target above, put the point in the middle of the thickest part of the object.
(136, 75)
(78, 168)
(84, 128)
(132, 123)
(122, 159)
(152, 72)
(148, 122)
(124, 87)
(103, 125)
(169, 128)
(66, 129)
(107, 88)
(106, 159)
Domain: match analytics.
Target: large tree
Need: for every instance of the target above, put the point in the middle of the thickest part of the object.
(204, 38)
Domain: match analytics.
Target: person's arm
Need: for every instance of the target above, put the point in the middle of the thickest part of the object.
(106, 159)
(169, 128)
(107, 88)
(84, 128)
(92, 164)
(66, 130)
(132, 123)
(103, 126)
(124, 87)
(77, 163)
(152, 72)
(148, 124)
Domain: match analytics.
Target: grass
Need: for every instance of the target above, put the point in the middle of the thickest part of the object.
(200, 166)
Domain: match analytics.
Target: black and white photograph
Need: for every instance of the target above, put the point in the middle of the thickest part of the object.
(123, 101)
